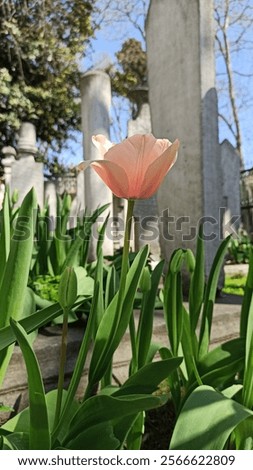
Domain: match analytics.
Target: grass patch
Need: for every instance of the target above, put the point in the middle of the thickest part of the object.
(234, 284)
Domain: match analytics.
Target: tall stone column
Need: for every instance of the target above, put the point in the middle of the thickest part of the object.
(96, 102)
(181, 76)
(26, 172)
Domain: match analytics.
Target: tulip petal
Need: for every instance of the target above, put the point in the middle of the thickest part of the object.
(102, 143)
(148, 147)
(157, 171)
(83, 165)
(136, 153)
(113, 176)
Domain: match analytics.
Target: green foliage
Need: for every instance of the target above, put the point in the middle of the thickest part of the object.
(234, 284)
(47, 287)
(213, 389)
(129, 77)
(41, 44)
(239, 248)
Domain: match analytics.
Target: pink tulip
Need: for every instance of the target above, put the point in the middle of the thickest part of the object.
(135, 168)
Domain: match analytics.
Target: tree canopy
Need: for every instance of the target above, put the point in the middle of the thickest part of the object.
(42, 43)
(129, 76)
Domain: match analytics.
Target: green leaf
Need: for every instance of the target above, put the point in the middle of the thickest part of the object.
(248, 290)
(15, 277)
(20, 423)
(85, 283)
(5, 234)
(247, 393)
(81, 243)
(39, 436)
(147, 379)
(189, 347)
(231, 391)
(67, 288)
(197, 285)
(207, 420)
(31, 323)
(113, 324)
(98, 437)
(134, 438)
(112, 285)
(100, 293)
(173, 300)
(219, 366)
(18, 440)
(210, 295)
(145, 327)
(108, 409)
(101, 233)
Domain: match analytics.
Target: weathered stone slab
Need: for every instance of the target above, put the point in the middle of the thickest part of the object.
(230, 162)
(96, 101)
(26, 172)
(181, 77)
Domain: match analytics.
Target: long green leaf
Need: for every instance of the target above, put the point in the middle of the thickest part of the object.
(173, 301)
(197, 285)
(100, 293)
(112, 284)
(5, 234)
(207, 420)
(31, 323)
(210, 295)
(145, 328)
(248, 290)
(15, 277)
(39, 436)
(113, 324)
(189, 347)
(248, 370)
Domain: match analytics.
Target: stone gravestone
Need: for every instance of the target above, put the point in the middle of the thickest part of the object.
(96, 101)
(181, 76)
(231, 188)
(26, 172)
(145, 211)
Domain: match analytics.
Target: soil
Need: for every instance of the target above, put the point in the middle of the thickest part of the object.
(159, 425)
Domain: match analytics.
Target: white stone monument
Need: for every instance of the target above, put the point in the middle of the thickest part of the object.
(231, 188)
(96, 102)
(26, 172)
(181, 77)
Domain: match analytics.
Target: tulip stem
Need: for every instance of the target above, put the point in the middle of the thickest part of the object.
(63, 356)
(124, 266)
(124, 270)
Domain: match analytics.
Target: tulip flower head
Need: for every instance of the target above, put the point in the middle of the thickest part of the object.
(135, 168)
